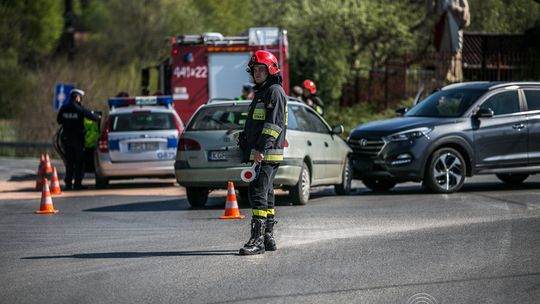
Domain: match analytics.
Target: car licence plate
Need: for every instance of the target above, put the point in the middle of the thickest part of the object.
(144, 146)
(217, 155)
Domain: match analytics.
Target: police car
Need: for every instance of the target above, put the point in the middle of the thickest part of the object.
(139, 139)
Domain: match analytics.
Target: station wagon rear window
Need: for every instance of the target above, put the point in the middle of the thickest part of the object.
(142, 121)
(219, 118)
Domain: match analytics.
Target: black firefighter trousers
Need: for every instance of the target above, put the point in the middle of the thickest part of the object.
(261, 190)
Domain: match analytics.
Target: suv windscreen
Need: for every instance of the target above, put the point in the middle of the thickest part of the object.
(141, 121)
(219, 118)
(446, 103)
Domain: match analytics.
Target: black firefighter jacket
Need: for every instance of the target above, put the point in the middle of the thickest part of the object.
(266, 123)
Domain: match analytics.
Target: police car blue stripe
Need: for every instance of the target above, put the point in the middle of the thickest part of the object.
(172, 142)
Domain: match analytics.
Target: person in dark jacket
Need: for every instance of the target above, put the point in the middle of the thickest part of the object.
(71, 117)
(310, 96)
(262, 142)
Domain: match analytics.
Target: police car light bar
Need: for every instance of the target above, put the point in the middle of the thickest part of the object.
(140, 101)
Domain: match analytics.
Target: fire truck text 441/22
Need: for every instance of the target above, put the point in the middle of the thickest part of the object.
(191, 72)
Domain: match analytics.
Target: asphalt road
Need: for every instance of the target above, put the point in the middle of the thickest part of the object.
(481, 245)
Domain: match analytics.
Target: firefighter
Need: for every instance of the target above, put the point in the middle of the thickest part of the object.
(262, 142)
(310, 96)
(71, 117)
(247, 92)
(296, 92)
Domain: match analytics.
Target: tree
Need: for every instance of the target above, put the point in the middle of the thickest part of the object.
(126, 31)
(499, 16)
(333, 42)
(29, 31)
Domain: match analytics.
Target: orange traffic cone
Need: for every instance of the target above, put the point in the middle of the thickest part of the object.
(46, 200)
(48, 168)
(231, 205)
(39, 175)
(55, 184)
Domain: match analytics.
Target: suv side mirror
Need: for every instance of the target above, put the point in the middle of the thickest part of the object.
(401, 111)
(338, 129)
(483, 112)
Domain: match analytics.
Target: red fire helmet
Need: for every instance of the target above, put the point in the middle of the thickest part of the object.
(266, 58)
(310, 85)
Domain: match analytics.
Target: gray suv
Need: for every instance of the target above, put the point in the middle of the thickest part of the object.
(462, 130)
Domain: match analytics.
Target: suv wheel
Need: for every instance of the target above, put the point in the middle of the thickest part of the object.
(512, 179)
(197, 197)
(299, 193)
(345, 187)
(446, 171)
(376, 184)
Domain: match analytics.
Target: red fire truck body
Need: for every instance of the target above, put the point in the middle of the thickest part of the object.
(210, 65)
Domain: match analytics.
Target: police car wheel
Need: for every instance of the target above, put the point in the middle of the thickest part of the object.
(299, 193)
(197, 197)
(101, 181)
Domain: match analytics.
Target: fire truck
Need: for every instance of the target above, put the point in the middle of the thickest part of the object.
(210, 65)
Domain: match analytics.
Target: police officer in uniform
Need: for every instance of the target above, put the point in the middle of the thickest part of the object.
(71, 117)
(262, 142)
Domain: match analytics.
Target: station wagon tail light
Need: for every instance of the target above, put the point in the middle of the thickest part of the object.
(103, 140)
(186, 144)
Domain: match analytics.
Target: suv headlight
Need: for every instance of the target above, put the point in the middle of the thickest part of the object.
(408, 135)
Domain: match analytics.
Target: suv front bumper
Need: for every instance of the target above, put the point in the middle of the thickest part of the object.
(396, 161)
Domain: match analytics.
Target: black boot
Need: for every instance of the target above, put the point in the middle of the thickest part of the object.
(269, 241)
(255, 245)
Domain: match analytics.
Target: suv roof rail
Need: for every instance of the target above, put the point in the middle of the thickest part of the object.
(514, 83)
(459, 84)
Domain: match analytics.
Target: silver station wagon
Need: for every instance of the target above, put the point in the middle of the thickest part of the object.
(208, 155)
